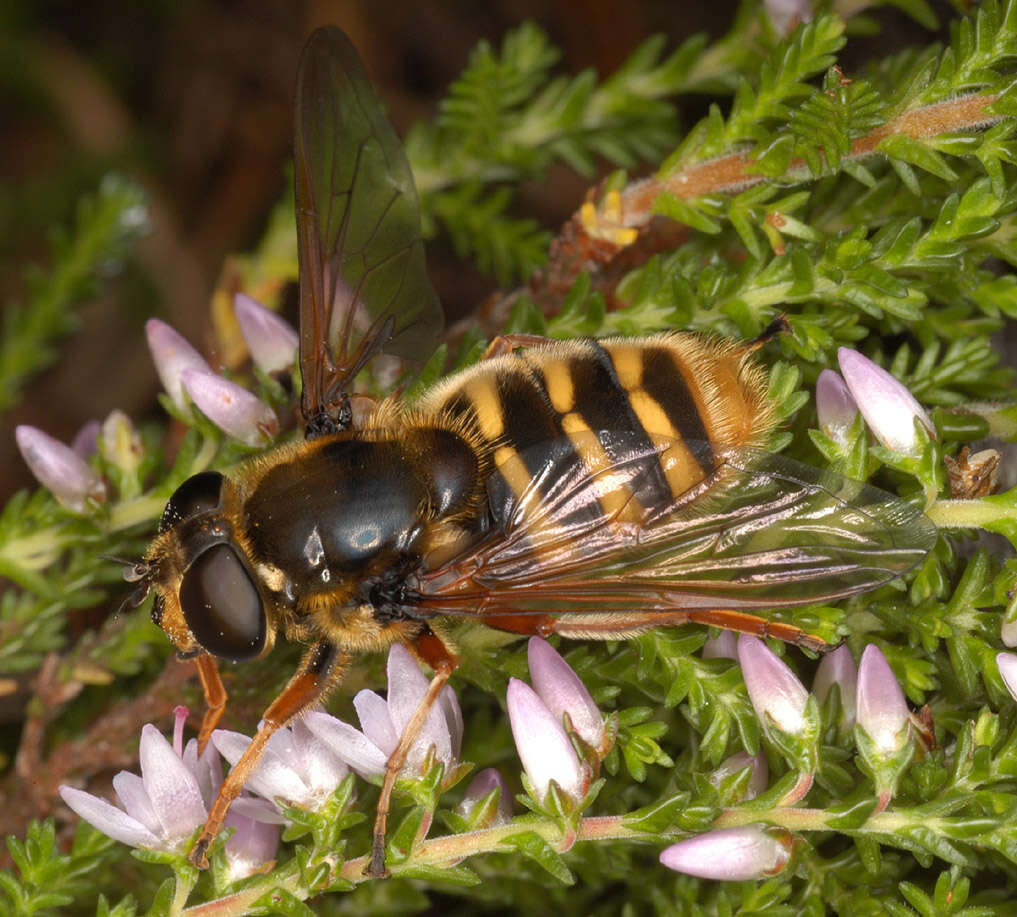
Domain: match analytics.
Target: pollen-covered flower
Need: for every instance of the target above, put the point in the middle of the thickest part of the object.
(121, 443)
(231, 407)
(889, 409)
(271, 340)
(773, 688)
(882, 710)
(296, 766)
(382, 720)
(732, 854)
(544, 748)
(59, 468)
(163, 807)
(172, 355)
(564, 693)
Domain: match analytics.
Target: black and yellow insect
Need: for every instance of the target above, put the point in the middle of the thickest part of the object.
(583, 488)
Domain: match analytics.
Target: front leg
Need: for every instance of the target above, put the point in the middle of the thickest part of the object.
(321, 667)
(432, 650)
(215, 698)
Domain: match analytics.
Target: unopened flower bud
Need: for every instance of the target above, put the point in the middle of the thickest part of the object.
(723, 646)
(480, 786)
(172, 355)
(835, 407)
(231, 407)
(544, 748)
(838, 668)
(1007, 663)
(59, 468)
(886, 404)
(564, 693)
(271, 340)
(121, 444)
(881, 708)
(732, 854)
(774, 689)
(86, 440)
(758, 779)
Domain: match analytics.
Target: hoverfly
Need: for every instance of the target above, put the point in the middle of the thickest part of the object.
(591, 489)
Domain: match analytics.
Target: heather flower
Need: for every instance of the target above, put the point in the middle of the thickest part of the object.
(86, 440)
(723, 646)
(886, 404)
(296, 766)
(838, 668)
(564, 693)
(59, 468)
(774, 689)
(121, 444)
(172, 355)
(835, 407)
(882, 711)
(480, 786)
(255, 840)
(758, 779)
(231, 407)
(383, 721)
(1007, 663)
(544, 748)
(732, 854)
(271, 340)
(786, 14)
(162, 808)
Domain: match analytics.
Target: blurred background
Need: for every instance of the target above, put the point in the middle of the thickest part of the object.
(192, 100)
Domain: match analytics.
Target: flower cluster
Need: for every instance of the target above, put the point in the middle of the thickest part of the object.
(161, 809)
(871, 703)
(888, 407)
(186, 376)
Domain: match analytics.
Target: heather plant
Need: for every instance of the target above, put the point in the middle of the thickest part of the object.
(874, 207)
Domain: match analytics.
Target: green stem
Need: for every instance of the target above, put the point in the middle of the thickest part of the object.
(967, 514)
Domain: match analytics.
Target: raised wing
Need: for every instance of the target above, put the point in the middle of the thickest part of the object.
(761, 531)
(363, 281)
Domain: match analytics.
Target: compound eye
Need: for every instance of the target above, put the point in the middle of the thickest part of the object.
(198, 494)
(221, 605)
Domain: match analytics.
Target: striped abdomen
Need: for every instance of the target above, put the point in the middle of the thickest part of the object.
(677, 397)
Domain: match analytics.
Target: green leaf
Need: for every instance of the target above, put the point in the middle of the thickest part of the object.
(533, 846)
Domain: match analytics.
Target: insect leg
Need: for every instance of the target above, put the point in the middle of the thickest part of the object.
(431, 649)
(616, 626)
(759, 627)
(779, 325)
(321, 667)
(215, 697)
(505, 343)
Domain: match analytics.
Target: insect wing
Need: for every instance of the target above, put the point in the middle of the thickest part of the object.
(363, 279)
(760, 531)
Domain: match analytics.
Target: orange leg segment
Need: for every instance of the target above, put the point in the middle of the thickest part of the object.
(505, 343)
(215, 697)
(615, 626)
(321, 667)
(431, 649)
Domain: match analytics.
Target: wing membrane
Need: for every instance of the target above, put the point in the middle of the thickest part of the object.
(363, 280)
(761, 531)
